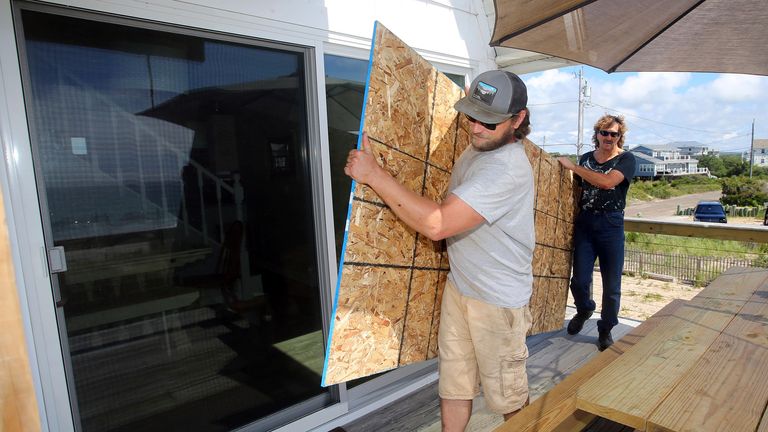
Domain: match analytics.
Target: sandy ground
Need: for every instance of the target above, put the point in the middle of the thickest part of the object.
(641, 297)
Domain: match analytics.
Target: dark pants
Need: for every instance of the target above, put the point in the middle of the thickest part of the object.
(598, 235)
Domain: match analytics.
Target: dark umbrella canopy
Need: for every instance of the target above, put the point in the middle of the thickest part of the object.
(727, 36)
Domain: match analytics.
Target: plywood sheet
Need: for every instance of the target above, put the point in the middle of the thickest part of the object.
(554, 209)
(391, 279)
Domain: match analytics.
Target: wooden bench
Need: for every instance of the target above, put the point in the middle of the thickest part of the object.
(697, 365)
(702, 369)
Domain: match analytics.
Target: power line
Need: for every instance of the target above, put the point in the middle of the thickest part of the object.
(726, 139)
(552, 103)
(656, 121)
(651, 131)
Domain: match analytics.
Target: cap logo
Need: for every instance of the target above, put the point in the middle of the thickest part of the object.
(485, 92)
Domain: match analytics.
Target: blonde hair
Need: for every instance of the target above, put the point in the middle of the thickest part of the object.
(605, 122)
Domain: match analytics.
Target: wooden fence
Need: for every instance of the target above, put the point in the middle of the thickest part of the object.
(699, 270)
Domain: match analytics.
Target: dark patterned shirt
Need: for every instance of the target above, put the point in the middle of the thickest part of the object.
(594, 198)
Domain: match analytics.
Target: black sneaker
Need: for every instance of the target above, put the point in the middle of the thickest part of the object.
(577, 322)
(604, 340)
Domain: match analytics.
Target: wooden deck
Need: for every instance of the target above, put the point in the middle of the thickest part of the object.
(697, 365)
(553, 356)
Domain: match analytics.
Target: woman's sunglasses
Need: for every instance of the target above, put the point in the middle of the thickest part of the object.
(606, 133)
(489, 126)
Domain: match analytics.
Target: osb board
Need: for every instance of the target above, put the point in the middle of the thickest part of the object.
(18, 405)
(387, 305)
(554, 212)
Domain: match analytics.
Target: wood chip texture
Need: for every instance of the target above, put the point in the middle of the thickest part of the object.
(387, 305)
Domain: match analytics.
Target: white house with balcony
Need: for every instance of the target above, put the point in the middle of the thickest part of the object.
(665, 160)
(693, 148)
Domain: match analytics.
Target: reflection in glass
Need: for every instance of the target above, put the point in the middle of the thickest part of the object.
(175, 176)
(344, 90)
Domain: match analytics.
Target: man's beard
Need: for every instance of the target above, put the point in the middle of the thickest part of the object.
(490, 145)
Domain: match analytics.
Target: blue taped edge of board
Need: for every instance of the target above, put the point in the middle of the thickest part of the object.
(349, 211)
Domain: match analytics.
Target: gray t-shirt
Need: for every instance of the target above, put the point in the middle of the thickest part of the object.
(492, 262)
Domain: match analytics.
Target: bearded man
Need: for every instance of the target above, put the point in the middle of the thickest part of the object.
(487, 221)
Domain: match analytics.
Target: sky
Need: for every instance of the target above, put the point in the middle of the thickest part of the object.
(716, 110)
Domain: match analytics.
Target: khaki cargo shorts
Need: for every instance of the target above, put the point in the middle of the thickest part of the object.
(483, 344)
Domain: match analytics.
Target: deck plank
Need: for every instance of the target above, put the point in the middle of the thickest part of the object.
(764, 423)
(726, 389)
(554, 360)
(630, 388)
(420, 411)
(557, 409)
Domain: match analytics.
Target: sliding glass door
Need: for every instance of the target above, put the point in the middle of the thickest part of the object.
(174, 172)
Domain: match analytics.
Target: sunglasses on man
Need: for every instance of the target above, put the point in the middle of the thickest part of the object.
(606, 133)
(489, 126)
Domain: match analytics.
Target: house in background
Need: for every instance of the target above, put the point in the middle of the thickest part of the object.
(693, 148)
(648, 167)
(760, 152)
(665, 160)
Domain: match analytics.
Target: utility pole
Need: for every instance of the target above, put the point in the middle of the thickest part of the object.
(752, 149)
(584, 95)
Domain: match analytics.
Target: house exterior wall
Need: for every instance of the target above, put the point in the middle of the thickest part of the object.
(760, 152)
(453, 34)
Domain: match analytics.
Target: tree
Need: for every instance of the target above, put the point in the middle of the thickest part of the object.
(760, 171)
(714, 163)
(734, 166)
(744, 191)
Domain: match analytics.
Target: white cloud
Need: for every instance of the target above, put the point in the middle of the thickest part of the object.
(549, 80)
(640, 88)
(738, 88)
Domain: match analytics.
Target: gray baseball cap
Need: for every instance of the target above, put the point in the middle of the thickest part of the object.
(493, 97)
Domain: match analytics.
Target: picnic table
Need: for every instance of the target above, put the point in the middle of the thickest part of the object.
(700, 365)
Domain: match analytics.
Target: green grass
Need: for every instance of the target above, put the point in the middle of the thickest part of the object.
(653, 297)
(693, 246)
(644, 190)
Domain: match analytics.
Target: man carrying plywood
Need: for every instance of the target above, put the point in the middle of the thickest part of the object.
(487, 220)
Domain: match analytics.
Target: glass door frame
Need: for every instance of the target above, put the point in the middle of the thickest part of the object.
(58, 405)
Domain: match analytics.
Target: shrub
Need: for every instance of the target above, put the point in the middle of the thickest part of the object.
(743, 191)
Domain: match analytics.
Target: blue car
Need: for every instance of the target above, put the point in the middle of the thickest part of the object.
(709, 211)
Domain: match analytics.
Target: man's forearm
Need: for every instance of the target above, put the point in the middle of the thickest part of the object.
(600, 180)
(420, 213)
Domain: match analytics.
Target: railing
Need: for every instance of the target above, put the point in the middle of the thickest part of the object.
(698, 270)
(756, 234)
(201, 174)
(691, 269)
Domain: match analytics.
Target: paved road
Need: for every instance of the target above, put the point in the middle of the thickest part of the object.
(662, 209)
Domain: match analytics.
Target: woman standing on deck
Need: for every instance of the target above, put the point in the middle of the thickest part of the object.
(605, 173)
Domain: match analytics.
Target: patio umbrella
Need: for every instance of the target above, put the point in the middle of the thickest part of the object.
(641, 35)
